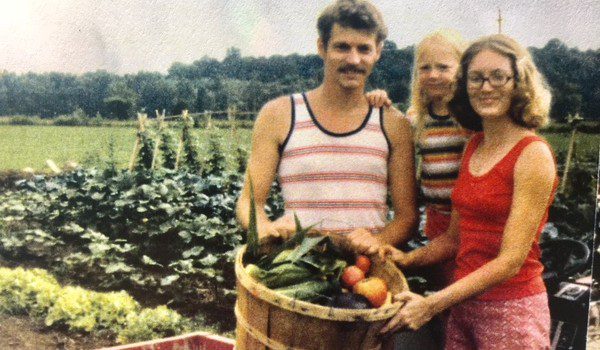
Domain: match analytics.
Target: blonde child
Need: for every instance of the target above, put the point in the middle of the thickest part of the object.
(438, 136)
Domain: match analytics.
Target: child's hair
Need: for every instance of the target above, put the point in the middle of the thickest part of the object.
(419, 101)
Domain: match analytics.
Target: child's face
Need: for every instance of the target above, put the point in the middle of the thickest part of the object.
(437, 64)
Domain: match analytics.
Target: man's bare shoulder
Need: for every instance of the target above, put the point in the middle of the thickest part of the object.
(276, 108)
(274, 118)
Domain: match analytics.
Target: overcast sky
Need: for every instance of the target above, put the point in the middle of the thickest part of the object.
(125, 36)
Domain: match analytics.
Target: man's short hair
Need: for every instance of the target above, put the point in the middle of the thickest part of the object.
(355, 14)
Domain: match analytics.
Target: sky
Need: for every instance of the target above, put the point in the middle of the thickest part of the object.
(126, 36)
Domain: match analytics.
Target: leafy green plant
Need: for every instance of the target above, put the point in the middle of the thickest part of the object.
(144, 157)
(214, 164)
(190, 156)
(151, 324)
(38, 294)
(27, 291)
(167, 149)
(143, 231)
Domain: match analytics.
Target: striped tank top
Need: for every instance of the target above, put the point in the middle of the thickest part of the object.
(440, 145)
(337, 182)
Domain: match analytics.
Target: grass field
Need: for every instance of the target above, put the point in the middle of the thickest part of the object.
(30, 146)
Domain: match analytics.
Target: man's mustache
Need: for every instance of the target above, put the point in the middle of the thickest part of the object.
(352, 69)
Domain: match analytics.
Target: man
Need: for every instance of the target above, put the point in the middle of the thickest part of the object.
(335, 156)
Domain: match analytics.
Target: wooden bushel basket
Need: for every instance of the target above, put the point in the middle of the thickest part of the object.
(268, 320)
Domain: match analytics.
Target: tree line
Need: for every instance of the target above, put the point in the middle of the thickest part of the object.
(248, 82)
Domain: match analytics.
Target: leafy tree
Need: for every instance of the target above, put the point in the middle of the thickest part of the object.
(122, 101)
(249, 82)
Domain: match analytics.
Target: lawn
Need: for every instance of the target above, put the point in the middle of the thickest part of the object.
(31, 146)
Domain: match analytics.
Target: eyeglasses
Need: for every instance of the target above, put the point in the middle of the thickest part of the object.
(496, 79)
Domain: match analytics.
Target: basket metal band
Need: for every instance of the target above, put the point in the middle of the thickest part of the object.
(258, 335)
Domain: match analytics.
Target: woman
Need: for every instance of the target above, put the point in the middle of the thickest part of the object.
(439, 137)
(500, 204)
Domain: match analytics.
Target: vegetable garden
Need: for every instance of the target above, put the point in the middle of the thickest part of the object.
(116, 244)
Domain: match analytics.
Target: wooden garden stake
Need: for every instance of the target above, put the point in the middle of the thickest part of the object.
(55, 169)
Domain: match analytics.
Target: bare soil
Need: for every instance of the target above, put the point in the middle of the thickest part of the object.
(20, 332)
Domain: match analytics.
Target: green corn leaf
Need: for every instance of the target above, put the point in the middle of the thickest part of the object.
(306, 246)
(253, 245)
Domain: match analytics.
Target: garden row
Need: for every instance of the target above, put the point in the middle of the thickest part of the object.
(37, 294)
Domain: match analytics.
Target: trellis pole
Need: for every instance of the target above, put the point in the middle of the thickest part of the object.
(142, 118)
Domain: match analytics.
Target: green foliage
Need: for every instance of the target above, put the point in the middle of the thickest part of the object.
(154, 323)
(189, 159)
(144, 158)
(111, 161)
(78, 118)
(253, 243)
(240, 159)
(38, 294)
(167, 149)
(249, 82)
(25, 120)
(119, 107)
(141, 230)
(572, 212)
(215, 162)
(30, 146)
(306, 268)
(27, 291)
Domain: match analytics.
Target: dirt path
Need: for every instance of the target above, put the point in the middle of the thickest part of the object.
(19, 332)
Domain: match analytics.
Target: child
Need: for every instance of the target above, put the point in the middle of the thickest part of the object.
(438, 136)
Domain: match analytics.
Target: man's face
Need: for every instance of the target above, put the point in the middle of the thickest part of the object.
(349, 56)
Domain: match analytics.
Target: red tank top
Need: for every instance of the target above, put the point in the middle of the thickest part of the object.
(483, 203)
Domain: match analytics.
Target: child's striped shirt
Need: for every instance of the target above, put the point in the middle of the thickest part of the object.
(441, 143)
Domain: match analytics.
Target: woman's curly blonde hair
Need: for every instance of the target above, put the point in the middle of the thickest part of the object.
(419, 102)
(530, 105)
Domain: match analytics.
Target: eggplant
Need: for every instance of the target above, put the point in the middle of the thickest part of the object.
(350, 301)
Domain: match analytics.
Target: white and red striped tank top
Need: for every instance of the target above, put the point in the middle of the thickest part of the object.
(337, 182)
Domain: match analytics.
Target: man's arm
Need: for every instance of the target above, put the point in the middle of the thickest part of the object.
(401, 179)
(270, 129)
(401, 185)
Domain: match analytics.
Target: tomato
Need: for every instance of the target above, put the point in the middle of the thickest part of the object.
(363, 263)
(351, 275)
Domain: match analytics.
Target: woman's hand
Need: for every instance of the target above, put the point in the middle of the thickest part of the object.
(416, 311)
(378, 98)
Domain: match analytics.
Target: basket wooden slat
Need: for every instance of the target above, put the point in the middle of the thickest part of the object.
(268, 320)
